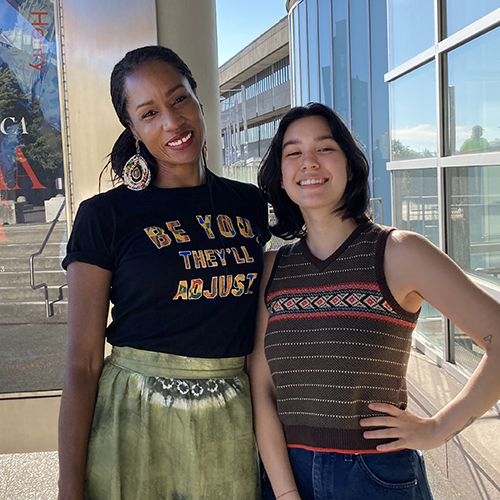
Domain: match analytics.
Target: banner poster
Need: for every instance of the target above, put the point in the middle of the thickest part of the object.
(31, 162)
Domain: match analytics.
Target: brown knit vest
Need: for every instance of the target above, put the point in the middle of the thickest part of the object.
(336, 341)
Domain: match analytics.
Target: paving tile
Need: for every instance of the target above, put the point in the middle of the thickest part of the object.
(29, 476)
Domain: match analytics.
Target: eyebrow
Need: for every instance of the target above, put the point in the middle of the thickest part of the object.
(297, 141)
(167, 94)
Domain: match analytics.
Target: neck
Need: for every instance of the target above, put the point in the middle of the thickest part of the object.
(176, 176)
(325, 233)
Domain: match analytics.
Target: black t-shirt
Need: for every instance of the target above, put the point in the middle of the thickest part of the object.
(186, 264)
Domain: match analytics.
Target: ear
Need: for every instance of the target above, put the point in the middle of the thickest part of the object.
(134, 133)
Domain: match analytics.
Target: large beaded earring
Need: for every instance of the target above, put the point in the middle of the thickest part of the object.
(136, 174)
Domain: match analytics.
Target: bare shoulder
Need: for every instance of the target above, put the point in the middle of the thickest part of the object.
(409, 249)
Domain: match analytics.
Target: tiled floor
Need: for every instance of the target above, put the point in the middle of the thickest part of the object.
(28, 476)
(33, 476)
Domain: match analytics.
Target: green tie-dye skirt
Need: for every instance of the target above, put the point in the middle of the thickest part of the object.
(171, 427)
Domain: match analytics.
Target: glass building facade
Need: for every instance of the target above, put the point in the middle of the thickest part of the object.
(444, 83)
(248, 112)
(419, 84)
(338, 51)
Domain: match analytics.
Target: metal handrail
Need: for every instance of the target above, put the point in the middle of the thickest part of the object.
(49, 310)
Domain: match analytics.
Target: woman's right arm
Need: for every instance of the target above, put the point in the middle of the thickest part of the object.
(268, 429)
(88, 302)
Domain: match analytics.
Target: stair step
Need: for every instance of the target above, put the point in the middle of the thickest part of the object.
(28, 248)
(42, 262)
(25, 233)
(27, 293)
(29, 309)
(56, 277)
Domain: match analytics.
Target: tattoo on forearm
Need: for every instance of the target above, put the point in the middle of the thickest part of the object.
(456, 433)
(488, 338)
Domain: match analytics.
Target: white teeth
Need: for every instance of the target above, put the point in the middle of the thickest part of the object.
(180, 141)
(308, 182)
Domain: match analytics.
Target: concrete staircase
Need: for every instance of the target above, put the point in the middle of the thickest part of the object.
(32, 346)
(19, 303)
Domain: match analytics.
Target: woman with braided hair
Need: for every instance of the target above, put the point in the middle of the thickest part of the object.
(177, 251)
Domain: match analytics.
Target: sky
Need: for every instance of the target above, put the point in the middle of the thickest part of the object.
(241, 21)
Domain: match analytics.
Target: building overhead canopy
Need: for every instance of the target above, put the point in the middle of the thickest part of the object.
(265, 50)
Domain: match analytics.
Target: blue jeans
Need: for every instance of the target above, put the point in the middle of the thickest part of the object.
(398, 475)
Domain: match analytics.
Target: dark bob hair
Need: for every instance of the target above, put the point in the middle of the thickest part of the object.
(290, 222)
(124, 146)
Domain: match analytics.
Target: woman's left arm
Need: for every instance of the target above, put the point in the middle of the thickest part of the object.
(416, 271)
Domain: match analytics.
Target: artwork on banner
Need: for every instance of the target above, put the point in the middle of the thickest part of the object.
(31, 162)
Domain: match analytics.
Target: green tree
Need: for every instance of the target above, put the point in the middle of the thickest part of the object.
(12, 100)
(43, 144)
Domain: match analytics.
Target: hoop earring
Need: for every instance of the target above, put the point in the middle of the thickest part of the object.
(136, 174)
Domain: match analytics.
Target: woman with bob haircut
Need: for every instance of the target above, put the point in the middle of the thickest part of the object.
(336, 314)
(178, 252)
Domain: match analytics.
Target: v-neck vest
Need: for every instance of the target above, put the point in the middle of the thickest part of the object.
(337, 340)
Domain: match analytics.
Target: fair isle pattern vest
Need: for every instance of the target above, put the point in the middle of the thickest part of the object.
(336, 341)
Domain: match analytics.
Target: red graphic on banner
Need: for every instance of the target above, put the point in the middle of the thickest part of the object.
(38, 45)
(28, 170)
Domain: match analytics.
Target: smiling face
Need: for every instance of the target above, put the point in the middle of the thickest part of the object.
(313, 166)
(165, 115)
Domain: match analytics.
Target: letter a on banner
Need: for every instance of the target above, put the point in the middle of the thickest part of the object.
(28, 170)
(3, 184)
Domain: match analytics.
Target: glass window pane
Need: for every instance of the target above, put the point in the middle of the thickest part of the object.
(416, 209)
(295, 47)
(467, 353)
(380, 112)
(325, 51)
(411, 29)
(474, 95)
(304, 73)
(460, 13)
(312, 35)
(473, 208)
(340, 59)
(359, 31)
(413, 120)
(32, 346)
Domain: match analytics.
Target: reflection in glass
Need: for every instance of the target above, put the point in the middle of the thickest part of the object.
(416, 209)
(295, 47)
(413, 114)
(473, 208)
(411, 29)
(474, 95)
(340, 59)
(359, 30)
(32, 347)
(380, 110)
(460, 13)
(467, 353)
(312, 34)
(325, 51)
(304, 80)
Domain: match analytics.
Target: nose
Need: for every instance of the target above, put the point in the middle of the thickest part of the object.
(309, 161)
(171, 121)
